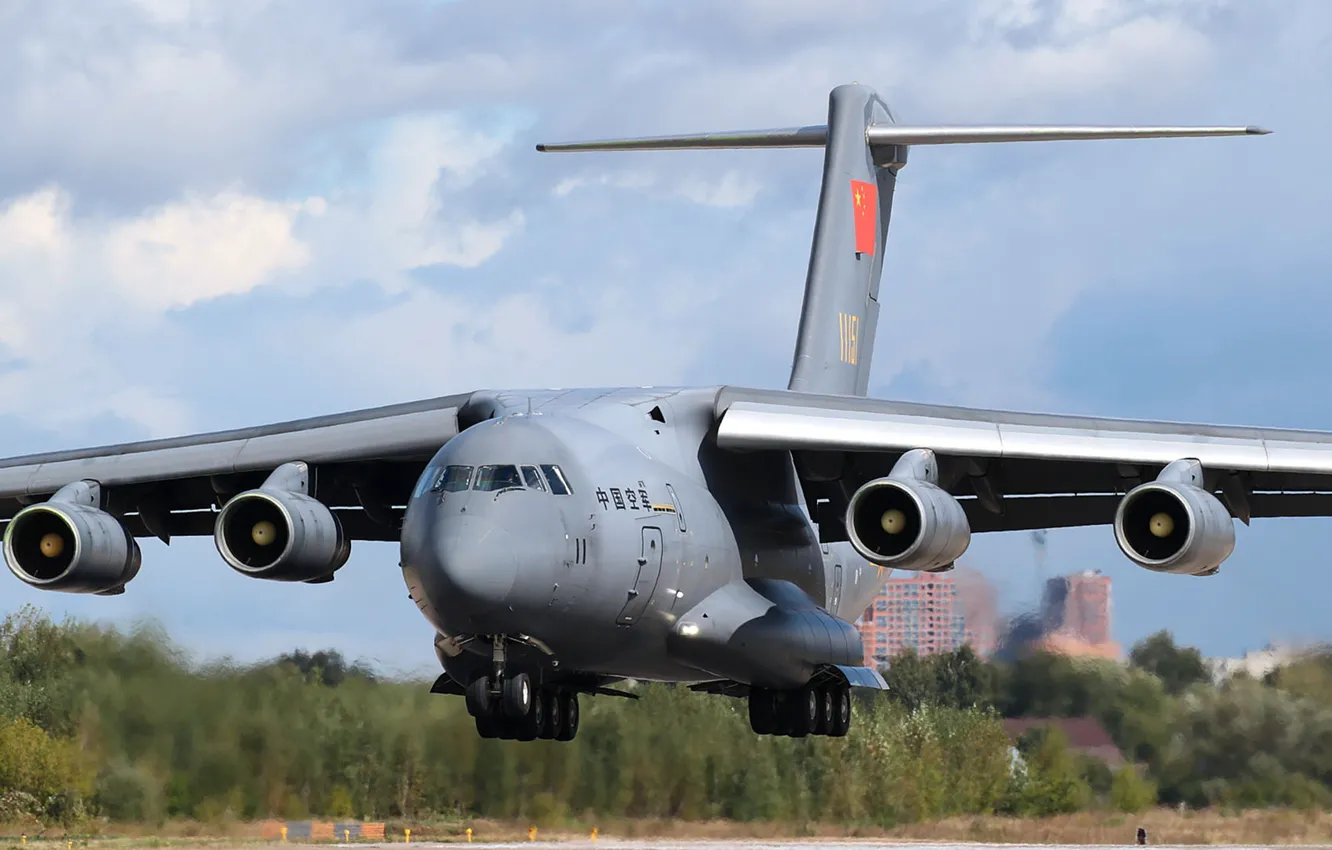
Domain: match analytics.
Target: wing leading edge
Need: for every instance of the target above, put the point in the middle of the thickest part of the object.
(363, 463)
(1028, 470)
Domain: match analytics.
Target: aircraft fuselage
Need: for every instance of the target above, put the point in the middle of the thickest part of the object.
(597, 580)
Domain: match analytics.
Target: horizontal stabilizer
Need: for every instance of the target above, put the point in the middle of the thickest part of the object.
(892, 134)
(787, 137)
(816, 135)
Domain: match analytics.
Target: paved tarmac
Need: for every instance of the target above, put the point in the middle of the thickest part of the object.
(767, 844)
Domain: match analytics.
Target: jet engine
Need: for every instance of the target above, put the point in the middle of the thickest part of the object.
(1173, 525)
(281, 533)
(69, 544)
(905, 520)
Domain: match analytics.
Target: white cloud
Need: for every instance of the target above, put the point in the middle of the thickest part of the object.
(732, 190)
(202, 248)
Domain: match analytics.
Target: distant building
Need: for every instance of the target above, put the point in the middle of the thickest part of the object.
(928, 613)
(1076, 615)
(1255, 664)
(1085, 735)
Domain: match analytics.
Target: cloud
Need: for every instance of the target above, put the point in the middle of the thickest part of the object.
(203, 248)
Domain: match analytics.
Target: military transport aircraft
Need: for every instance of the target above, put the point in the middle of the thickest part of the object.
(561, 541)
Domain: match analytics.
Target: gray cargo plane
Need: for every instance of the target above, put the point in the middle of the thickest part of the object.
(561, 541)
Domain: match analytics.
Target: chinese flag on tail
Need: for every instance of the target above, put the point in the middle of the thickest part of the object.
(865, 209)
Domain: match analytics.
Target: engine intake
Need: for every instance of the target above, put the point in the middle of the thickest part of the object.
(281, 534)
(70, 545)
(906, 520)
(1173, 525)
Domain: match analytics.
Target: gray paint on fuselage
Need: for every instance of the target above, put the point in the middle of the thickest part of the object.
(723, 517)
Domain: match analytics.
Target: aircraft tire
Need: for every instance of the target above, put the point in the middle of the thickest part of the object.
(554, 719)
(518, 696)
(827, 710)
(529, 728)
(842, 714)
(804, 712)
(568, 728)
(762, 711)
(478, 697)
(488, 727)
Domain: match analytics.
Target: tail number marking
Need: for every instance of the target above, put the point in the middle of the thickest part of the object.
(848, 324)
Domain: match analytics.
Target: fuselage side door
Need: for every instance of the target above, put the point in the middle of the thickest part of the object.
(836, 604)
(649, 571)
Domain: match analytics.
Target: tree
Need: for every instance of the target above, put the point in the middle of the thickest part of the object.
(961, 678)
(911, 680)
(1051, 782)
(1176, 667)
(1130, 791)
(326, 666)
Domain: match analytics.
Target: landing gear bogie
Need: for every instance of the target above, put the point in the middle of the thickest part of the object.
(519, 710)
(811, 710)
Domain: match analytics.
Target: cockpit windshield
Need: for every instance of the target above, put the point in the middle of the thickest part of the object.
(559, 485)
(533, 478)
(453, 479)
(497, 477)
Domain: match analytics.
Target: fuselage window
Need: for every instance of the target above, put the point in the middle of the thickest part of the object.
(533, 478)
(497, 477)
(453, 479)
(558, 484)
(675, 501)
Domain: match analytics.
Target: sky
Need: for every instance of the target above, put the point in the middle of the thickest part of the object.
(217, 213)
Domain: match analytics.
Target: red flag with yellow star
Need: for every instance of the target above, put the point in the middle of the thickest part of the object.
(865, 208)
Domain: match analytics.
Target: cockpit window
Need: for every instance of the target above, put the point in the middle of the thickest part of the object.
(453, 479)
(497, 477)
(558, 484)
(533, 478)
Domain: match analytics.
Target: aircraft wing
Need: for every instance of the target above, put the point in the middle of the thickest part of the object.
(1015, 471)
(363, 465)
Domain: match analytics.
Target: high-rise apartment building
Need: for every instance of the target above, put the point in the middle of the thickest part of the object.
(1076, 613)
(1079, 605)
(928, 612)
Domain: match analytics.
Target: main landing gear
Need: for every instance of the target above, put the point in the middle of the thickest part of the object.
(519, 711)
(811, 710)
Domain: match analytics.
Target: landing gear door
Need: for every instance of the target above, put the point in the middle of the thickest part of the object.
(649, 571)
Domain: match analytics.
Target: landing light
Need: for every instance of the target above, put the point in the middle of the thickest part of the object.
(689, 629)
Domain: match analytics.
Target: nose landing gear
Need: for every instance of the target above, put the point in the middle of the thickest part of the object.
(811, 710)
(518, 710)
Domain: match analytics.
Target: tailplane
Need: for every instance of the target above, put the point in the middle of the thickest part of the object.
(864, 150)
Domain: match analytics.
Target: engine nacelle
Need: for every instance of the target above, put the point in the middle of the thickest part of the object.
(70, 545)
(906, 521)
(281, 534)
(1172, 525)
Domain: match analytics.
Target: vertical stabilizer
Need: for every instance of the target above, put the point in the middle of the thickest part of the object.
(841, 309)
(864, 148)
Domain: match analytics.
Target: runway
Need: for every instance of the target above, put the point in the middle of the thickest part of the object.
(768, 844)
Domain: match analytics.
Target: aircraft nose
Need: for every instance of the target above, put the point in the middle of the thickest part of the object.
(476, 558)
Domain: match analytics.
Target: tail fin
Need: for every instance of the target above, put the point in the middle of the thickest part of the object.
(864, 150)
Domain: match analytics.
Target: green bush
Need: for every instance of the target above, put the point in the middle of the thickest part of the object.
(1130, 791)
